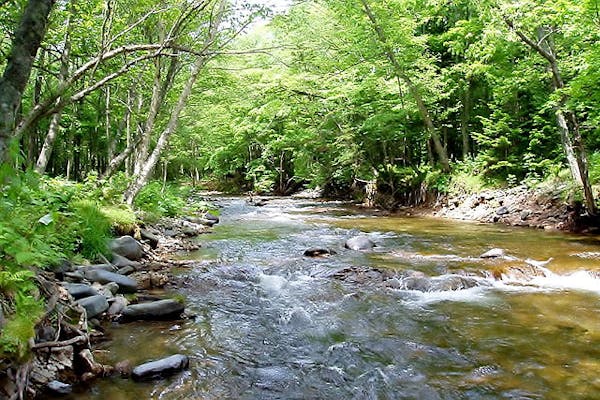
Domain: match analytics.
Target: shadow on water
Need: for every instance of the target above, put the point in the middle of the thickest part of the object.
(272, 324)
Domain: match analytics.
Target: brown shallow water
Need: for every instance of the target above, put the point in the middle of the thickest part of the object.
(266, 327)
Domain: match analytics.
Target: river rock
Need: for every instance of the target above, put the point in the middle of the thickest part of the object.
(126, 270)
(48, 364)
(126, 284)
(155, 310)
(318, 252)
(502, 210)
(359, 243)
(80, 290)
(159, 368)
(211, 217)
(419, 283)
(121, 262)
(127, 247)
(94, 305)
(118, 305)
(493, 253)
(452, 282)
(103, 267)
(149, 237)
(59, 388)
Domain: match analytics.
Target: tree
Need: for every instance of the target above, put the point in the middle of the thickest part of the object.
(26, 42)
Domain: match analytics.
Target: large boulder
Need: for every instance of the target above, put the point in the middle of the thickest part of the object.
(359, 243)
(155, 310)
(127, 247)
(126, 284)
(80, 290)
(159, 368)
(94, 305)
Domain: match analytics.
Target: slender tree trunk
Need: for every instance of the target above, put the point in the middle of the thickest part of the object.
(26, 41)
(143, 176)
(412, 88)
(53, 130)
(464, 121)
(159, 93)
(566, 120)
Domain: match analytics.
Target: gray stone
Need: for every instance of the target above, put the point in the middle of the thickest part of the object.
(126, 270)
(160, 368)
(421, 284)
(120, 261)
(149, 237)
(127, 247)
(359, 243)
(126, 284)
(155, 310)
(94, 305)
(118, 305)
(103, 267)
(525, 214)
(113, 287)
(211, 216)
(452, 282)
(502, 210)
(59, 388)
(493, 253)
(80, 290)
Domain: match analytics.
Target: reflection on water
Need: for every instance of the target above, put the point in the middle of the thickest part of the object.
(267, 326)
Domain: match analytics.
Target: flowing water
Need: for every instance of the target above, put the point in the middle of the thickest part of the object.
(272, 324)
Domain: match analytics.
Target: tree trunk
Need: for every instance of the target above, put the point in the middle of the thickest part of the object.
(440, 150)
(159, 93)
(25, 44)
(143, 176)
(53, 130)
(464, 121)
(566, 120)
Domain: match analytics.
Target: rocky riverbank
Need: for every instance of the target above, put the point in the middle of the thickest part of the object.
(518, 206)
(84, 301)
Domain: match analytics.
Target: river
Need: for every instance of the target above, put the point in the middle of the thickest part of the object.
(270, 323)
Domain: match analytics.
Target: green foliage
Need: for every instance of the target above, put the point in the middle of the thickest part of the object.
(92, 229)
(122, 218)
(169, 200)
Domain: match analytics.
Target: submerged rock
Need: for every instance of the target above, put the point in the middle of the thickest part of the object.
(160, 368)
(126, 284)
(317, 252)
(127, 247)
(359, 243)
(94, 305)
(155, 310)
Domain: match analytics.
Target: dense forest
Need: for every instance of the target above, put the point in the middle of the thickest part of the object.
(105, 103)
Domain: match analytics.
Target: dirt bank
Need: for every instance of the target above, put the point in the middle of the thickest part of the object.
(518, 206)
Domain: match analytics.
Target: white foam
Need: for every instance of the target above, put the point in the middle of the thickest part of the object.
(580, 280)
(272, 283)
(477, 294)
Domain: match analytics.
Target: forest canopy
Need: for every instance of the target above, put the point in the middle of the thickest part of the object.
(327, 93)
